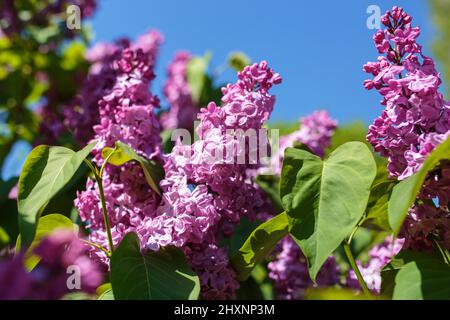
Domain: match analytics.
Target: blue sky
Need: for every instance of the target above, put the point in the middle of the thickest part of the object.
(318, 47)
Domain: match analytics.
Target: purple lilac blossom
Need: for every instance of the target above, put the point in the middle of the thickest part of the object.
(289, 272)
(82, 114)
(182, 109)
(414, 109)
(379, 257)
(126, 114)
(217, 193)
(315, 133)
(416, 119)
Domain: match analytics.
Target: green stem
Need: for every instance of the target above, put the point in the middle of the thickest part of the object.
(97, 246)
(89, 164)
(444, 252)
(354, 231)
(355, 268)
(106, 161)
(105, 213)
(98, 177)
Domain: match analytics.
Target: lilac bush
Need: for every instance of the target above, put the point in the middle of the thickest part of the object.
(228, 212)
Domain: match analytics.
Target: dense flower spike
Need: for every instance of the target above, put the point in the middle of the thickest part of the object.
(126, 114)
(182, 109)
(414, 107)
(415, 120)
(62, 254)
(83, 113)
(208, 194)
(217, 279)
(289, 272)
(245, 105)
(315, 133)
(379, 257)
(127, 111)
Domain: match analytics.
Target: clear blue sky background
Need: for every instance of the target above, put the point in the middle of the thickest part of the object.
(318, 47)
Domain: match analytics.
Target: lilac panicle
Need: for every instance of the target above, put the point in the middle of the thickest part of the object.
(208, 197)
(82, 114)
(182, 109)
(416, 119)
(126, 114)
(415, 111)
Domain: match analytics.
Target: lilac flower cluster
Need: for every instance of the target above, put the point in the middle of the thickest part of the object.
(211, 263)
(209, 197)
(127, 111)
(126, 114)
(415, 120)
(82, 114)
(429, 218)
(48, 280)
(182, 109)
(315, 133)
(289, 272)
(245, 105)
(379, 256)
(415, 111)
(201, 200)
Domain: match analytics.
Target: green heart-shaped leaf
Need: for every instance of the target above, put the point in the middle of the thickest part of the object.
(325, 199)
(45, 172)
